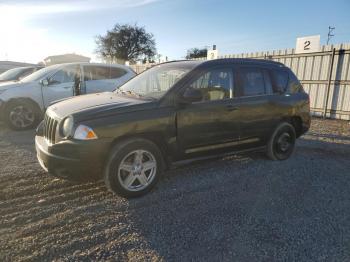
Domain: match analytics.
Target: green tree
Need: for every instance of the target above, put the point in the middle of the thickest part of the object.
(196, 53)
(126, 42)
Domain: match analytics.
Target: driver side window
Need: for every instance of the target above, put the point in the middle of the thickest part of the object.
(65, 75)
(215, 84)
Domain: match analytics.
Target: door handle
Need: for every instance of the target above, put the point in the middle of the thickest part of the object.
(231, 107)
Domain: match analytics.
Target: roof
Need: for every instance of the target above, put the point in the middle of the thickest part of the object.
(229, 61)
(6, 65)
(89, 64)
(244, 61)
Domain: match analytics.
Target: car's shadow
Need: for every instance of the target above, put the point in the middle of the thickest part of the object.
(249, 208)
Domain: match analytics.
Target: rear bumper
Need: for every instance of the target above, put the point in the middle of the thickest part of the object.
(306, 123)
(73, 160)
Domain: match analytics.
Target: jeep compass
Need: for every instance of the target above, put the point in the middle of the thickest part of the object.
(171, 113)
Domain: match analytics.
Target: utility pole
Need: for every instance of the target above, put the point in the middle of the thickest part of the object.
(330, 35)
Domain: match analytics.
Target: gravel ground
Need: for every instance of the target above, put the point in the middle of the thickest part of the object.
(240, 208)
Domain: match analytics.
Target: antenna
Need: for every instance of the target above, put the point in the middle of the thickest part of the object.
(330, 35)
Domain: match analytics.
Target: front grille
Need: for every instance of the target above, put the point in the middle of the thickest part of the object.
(50, 126)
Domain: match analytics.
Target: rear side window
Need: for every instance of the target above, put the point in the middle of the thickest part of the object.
(117, 72)
(294, 84)
(252, 81)
(279, 81)
(102, 72)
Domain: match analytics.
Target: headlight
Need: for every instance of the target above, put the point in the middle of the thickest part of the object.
(84, 133)
(67, 127)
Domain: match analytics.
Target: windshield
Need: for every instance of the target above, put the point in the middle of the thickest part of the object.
(11, 74)
(155, 82)
(38, 75)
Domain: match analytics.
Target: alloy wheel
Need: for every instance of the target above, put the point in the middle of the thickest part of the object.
(137, 170)
(21, 116)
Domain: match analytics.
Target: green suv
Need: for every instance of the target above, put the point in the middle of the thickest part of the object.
(172, 113)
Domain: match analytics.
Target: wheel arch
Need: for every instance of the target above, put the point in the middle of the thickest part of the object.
(155, 137)
(23, 100)
(296, 122)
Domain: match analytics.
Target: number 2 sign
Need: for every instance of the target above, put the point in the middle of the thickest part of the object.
(308, 44)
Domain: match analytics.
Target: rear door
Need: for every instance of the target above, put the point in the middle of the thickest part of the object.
(102, 78)
(257, 116)
(211, 123)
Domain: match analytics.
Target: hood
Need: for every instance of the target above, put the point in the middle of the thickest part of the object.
(13, 84)
(93, 105)
(6, 82)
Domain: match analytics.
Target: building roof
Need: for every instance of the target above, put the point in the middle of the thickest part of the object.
(68, 56)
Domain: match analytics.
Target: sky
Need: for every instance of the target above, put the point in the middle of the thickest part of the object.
(31, 30)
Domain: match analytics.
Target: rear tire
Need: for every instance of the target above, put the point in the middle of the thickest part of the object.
(21, 115)
(133, 168)
(282, 142)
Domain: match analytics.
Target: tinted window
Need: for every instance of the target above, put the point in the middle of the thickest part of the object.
(102, 72)
(117, 72)
(252, 81)
(64, 75)
(280, 81)
(268, 82)
(294, 84)
(215, 84)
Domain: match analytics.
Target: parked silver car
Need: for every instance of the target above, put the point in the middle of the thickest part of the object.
(23, 103)
(16, 74)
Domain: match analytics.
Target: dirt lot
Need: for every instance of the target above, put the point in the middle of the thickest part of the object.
(244, 208)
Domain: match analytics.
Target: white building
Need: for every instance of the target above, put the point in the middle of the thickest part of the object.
(65, 58)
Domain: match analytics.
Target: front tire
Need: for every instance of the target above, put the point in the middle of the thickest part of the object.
(21, 116)
(282, 142)
(133, 168)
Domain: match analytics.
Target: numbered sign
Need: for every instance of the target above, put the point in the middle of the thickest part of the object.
(212, 54)
(308, 44)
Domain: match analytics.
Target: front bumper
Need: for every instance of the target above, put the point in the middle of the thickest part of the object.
(73, 160)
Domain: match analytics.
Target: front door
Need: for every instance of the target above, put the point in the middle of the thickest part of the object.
(60, 85)
(210, 123)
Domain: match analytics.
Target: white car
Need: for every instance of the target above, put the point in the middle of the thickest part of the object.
(23, 103)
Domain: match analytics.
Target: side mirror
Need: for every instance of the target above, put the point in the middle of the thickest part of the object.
(44, 82)
(192, 95)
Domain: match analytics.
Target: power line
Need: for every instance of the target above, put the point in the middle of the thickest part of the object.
(330, 35)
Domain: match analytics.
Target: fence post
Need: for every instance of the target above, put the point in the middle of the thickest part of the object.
(329, 83)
